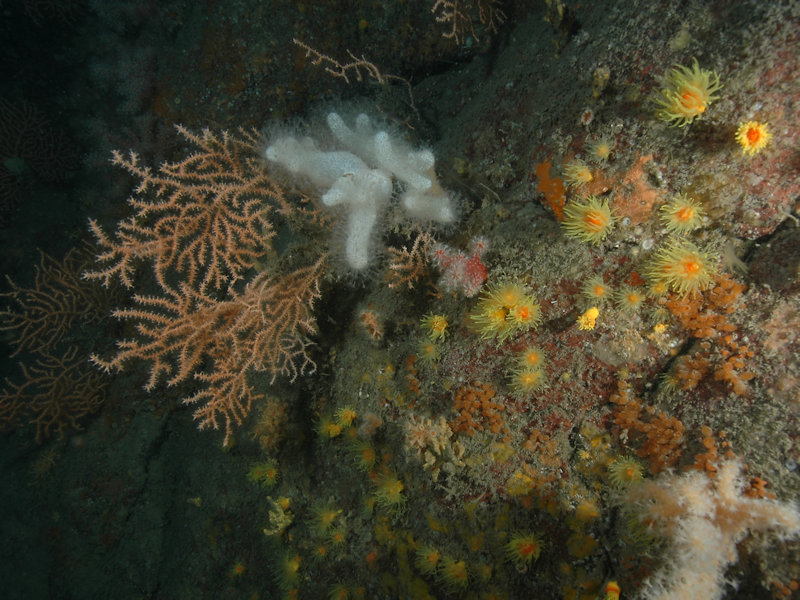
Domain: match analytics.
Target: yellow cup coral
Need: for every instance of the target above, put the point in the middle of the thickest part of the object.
(436, 326)
(323, 517)
(365, 455)
(595, 290)
(504, 310)
(686, 94)
(683, 267)
(526, 379)
(625, 471)
(601, 149)
(264, 473)
(524, 549)
(428, 352)
(589, 220)
(339, 591)
(427, 559)
(629, 299)
(531, 357)
(753, 137)
(288, 569)
(345, 416)
(453, 573)
(682, 214)
(389, 492)
(577, 174)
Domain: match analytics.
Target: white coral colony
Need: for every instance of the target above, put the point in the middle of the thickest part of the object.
(359, 177)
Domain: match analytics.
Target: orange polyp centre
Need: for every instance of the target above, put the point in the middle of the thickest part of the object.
(753, 135)
(533, 358)
(684, 214)
(394, 489)
(691, 102)
(594, 221)
(433, 557)
(526, 549)
(523, 314)
(459, 571)
(691, 266)
(599, 290)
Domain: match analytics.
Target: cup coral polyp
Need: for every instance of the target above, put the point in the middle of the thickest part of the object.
(588, 220)
(686, 94)
(683, 267)
(524, 549)
(531, 357)
(365, 455)
(288, 572)
(504, 310)
(527, 375)
(338, 591)
(453, 573)
(436, 325)
(595, 290)
(753, 137)
(428, 352)
(526, 380)
(577, 174)
(323, 517)
(629, 299)
(264, 473)
(524, 314)
(625, 471)
(682, 214)
(427, 559)
(389, 492)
